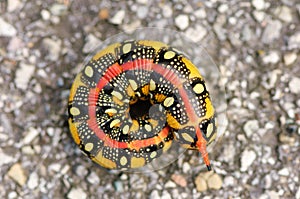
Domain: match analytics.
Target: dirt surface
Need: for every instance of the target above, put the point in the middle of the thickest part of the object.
(255, 45)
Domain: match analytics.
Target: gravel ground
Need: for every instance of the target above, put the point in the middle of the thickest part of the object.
(256, 46)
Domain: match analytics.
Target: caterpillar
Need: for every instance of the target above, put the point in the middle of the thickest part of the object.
(133, 99)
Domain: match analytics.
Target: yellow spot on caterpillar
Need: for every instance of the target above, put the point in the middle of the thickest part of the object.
(209, 129)
(133, 84)
(160, 97)
(187, 137)
(125, 129)
(212, 138)
(111, 111)
(145, 90)
(89, 146)
(169, 54)
(89, 71)
(148, 127)
(152, 85)
(168, 101)
(198, 88)
(127, 48)
(135, 126)
(137, 162)
(103, 161)
(74, 111)
(117, 95)
(173, 122)
(114, 123)
(123, 160)
(153, 154)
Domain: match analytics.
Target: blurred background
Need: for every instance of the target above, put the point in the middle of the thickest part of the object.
(255, 45)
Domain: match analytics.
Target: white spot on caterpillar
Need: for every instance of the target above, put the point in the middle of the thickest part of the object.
(123, 160)
(198, 88)
(127, 48)
(133, 84)
(114, 123)
(153, 154)
(89, 146)
(209, 130)
(152, 85)
(168, 101)
(74, 111)
(117, 95)
(169, 55)
(125, 129)
(89, 71)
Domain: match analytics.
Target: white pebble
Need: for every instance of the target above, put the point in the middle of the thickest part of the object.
(251, 127)
(289, 58)
(258, 4)
(33, 181)
(6, 29)
(182, 21)
(77, 193)
(271, 58)
(248, 157)
(45, 15)
(31, 135)
(294, 85)
(118, 18)
(196, 34)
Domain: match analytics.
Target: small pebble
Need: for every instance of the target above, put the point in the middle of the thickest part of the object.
(16, 172)
(214, 182)
(13, 5)
(197, 33)
(272, 31)
(182, 21)
(289, 58)
(31, 134)
(45, 15)
(251, 127)
(103, 14)
(118, 18)
(33, 181)
(247, 158)
(93, 178)
(284, 13)
(258, 4)
(170, 184)
(294, 41)
(5, 159)
(200, 182)
(52, 48)
(294, 85)
(91, 42)
(58, 9)
(284, 172)
(6, 29)
(179, 179)
(271, 58)
(77, 193)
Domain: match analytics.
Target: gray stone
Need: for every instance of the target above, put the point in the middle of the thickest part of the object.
(23, 75)
(154, 194)
(77, 193)
(247, 158)
(182, 21)
(52, 47)
(196, 34)
(93, 178)
(91, 42)
(118, 18)
(294, 41)
(142, 12)
(58, 9)
(294, 85)
(272, 31)
(6, 29)
(167, 11)
(31, 134)
(5, 159)
(200, 13)
(250, 127)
